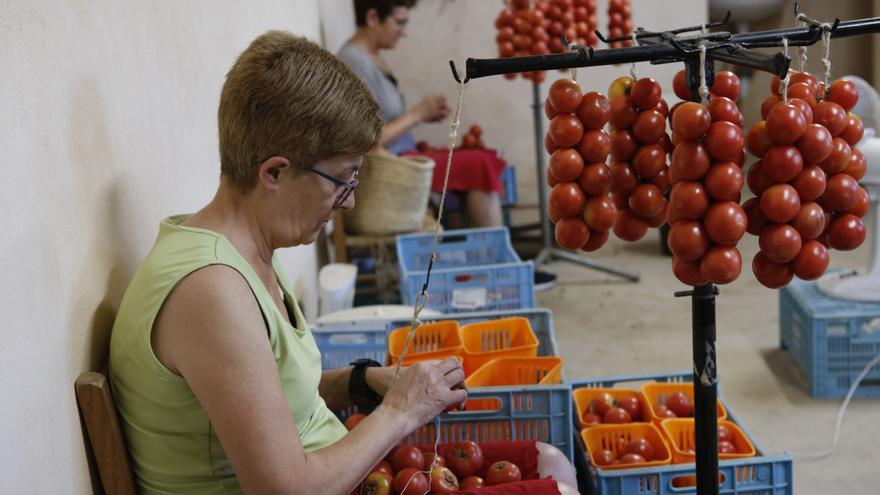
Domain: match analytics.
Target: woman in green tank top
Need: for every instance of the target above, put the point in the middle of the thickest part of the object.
(216, 374)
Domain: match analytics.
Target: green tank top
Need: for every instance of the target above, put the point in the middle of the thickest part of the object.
(172, 444)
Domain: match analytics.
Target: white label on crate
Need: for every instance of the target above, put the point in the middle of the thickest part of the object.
(470, 298)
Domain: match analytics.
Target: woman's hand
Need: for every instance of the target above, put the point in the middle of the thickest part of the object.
(426, 389)
(432, 108)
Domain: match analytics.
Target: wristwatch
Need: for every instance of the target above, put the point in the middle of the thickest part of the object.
(360, 393)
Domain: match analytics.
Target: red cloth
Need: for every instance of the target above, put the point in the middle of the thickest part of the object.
(478, 169)
(522, 453)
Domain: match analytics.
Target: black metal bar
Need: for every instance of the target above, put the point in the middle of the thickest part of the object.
(705, 389)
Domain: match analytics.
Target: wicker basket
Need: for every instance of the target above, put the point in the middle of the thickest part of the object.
(392, 196)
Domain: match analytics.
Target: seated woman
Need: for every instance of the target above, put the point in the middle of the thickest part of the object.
(216, 374)
(475, 173)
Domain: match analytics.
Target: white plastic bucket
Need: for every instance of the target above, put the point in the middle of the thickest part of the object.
(336, 283)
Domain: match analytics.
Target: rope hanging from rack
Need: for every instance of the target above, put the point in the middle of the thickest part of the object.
(826, 59)
(785, 81)
(632, 70)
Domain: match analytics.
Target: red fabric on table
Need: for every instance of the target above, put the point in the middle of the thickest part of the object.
(522, 453)
(478, 169)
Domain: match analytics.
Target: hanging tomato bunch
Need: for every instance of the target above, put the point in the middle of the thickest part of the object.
(619, 22)
(806, 181)
(579, 203)
(705, 218)
(536, 28)
(639, 148)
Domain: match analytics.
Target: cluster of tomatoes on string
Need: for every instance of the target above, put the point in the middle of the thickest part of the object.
(536, 27)
(619, 22)
(403, 472)
(806, 180)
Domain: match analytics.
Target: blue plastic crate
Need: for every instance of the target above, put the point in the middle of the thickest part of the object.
(759, 475)
(508, 179)
(476, 270)
(342, 343)
(831, 340)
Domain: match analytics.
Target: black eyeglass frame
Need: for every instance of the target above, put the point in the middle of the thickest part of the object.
(348, 187)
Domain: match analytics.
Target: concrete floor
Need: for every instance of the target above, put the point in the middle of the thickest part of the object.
(606, 326)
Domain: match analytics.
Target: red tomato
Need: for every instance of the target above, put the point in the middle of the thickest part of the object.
(631, 459)
(846, 233)
(805, 109)
(779, 203)
(679, 86)
(602, 403)
(688, 240)
(549, 110)
(810, 221)
(595, 178)
(590, 419)
(805, 77)
(857, 166)
(811, 262)
(472, 483)
(725, 223)
(600, 213)
(646, 200)
(724, 181)
(816, 143)
(661, 180)
(691, 120)
(649, 160)
(690, 161)
(664, 412)
(810, 183)
(503, 472)
(726, 84)
(680, 404)
(831, 115)
(688, 200)
(353, 420)
(616, 415)
(860, 207)
(780, 242)
(431, 458)
(603, 457)
(758, 140)
(623, 145)
(595, 146)
(641, 447)
(623, 113)
(662, 107)
(721, 265)
(594, 111)
(645, 94)
(623, 179)
(566, 164)
(723, 108)
(841, 193)
(567, 199)
(410, 482)
(632, 406)
(725, 447)
(785, 123)
(724, 433)
(376, 483)
(464, 458)
(802, 92)
(756, 178)
(771, 275)
(470, 141)
(629, 227)
(443, 481)
(566, 130)
(756, 219)
(844, 93)
(854, 130)
(549, 145)
(649, 127)
(688, 272)
(572, 233)
(384, 467)
(597, 240)
(838, 160)
(724, 141)
(782, 163)
(407, 456)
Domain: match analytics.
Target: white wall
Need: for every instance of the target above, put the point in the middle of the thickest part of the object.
(107, 125)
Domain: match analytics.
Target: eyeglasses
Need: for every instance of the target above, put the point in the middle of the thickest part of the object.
(347, 187)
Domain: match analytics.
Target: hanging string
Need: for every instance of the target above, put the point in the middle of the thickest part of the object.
(704, 89)
(571, 47)
(787, 74)
(826, 60)
(802, 50)
(632, 71)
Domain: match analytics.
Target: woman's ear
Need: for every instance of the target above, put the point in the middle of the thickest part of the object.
(373, 18)
(270, 172)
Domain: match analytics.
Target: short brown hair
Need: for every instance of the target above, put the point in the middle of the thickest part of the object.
(383, 8)
(286, 96)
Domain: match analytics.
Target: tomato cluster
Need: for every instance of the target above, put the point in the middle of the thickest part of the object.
(579, 204)
(526, 29)
(705, 218)
(677, 405)
(806, 179)
(403, 472)
(619, 22)
(473, 138)
(635, 451)
(639, 149)
(725, 442)
(607, 409)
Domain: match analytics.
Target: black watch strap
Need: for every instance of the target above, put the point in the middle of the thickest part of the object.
(360, 393)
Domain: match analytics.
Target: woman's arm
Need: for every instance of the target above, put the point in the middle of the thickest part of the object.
(430, 109)
(210, 330)
(334, 385)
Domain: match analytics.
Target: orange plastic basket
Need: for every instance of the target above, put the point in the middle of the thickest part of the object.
(657, 393)
(608, 437)
(505, 337)
(507, 371)
(436, 340)
(680, 435)
(583, 396)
